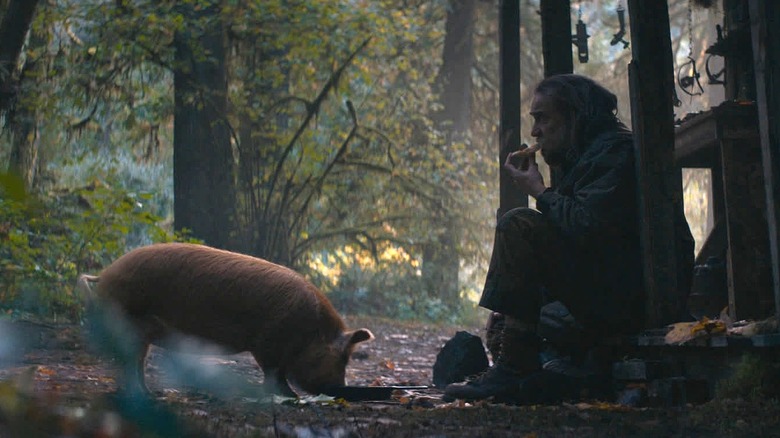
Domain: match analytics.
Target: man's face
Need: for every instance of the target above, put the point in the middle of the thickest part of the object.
(552, 129)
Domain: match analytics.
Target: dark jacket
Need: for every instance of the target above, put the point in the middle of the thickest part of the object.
(596, 208)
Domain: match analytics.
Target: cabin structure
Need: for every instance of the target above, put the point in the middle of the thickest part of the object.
(738, 140)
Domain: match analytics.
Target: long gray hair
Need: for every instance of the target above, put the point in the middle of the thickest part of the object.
(592, 107)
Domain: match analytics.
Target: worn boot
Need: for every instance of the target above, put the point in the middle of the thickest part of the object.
(493, 330)
(518, 358)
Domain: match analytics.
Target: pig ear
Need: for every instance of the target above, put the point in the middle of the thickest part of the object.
(360, 335)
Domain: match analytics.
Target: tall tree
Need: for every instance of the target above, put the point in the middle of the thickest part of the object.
(13, 30)
(23, 117)
(203, 177)
(20, 115)
(441, 261)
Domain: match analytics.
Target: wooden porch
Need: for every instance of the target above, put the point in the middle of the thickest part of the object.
(738, 140)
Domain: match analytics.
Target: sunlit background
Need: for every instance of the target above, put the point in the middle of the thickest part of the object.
(395, 220)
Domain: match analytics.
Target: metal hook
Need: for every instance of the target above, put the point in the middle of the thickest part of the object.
(675, 99)
(618, 37)
(713, 78)
(691, 80)
(580, 39)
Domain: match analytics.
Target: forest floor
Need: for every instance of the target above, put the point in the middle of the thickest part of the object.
(56, 387)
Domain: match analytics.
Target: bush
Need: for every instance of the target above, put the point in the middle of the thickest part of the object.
(46, 241)
(754, 378)
(394, 290)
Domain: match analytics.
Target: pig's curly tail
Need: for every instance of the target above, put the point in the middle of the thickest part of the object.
(83, 285)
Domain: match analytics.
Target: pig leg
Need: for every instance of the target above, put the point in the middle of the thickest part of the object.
(126, 338)
(147, 331)
(274, 382)
(135, 379)
(274, 379)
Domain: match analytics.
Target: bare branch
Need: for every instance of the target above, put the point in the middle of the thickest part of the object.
(311, 112)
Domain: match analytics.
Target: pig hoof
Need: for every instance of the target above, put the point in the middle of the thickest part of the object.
(283, 390)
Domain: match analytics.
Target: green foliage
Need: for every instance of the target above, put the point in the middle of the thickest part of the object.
(330, 112)
(313, 173)
(47, 241)
(386, 175)
(754, 378)
(392, 291)
(388, 284)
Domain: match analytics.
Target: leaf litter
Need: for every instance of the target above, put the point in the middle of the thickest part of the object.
(58, 390)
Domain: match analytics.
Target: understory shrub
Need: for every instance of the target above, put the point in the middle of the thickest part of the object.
(395, 291)
(48, 239)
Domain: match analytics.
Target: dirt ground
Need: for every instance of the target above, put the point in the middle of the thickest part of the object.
(52, 385)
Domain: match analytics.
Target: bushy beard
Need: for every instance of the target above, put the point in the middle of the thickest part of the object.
(557, 149)
(554, 158)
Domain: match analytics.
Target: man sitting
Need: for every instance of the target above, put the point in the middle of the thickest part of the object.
(580, 248)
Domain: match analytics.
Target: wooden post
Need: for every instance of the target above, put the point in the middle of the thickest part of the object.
(509, 98)
(766, 56)
(556, 37)
(556, 46)
(651, 81)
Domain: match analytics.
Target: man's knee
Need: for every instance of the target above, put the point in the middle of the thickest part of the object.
(524, 217)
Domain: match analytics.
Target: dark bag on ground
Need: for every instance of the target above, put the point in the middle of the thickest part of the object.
(462, 356)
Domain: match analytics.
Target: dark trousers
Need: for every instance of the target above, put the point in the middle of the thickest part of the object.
(532, 264)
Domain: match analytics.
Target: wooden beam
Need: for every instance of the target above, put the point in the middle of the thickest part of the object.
(651, 81)
(766, 61)
(556, 37)
(556, 46)
(509, 98)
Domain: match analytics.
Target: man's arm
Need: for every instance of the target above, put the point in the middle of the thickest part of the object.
(604, 195)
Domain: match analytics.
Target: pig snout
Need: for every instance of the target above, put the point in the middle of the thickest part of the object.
(323, 365)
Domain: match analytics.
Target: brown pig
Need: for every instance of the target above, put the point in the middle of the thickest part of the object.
(238, 302)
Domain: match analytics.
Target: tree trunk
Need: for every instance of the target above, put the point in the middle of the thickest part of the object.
(22, 118)
(258, 152)
(24, 147)
(509, 101)
(13, 30)
(204, 197)
(248, 152)
(454, 78)
(441, 262)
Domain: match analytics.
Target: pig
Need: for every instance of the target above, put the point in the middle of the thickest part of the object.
(236, 301)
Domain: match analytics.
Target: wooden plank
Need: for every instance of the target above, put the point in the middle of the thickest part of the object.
(739, 76)
(747, 260)
(770, 340)
(556, 37)
(726, 140)
(509, 100)
(695, 142)
(766, 49)
(556, 47)
(660, 181)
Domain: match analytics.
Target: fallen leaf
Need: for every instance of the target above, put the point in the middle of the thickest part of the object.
(680, 332)
(683, 332)
(46, 371)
